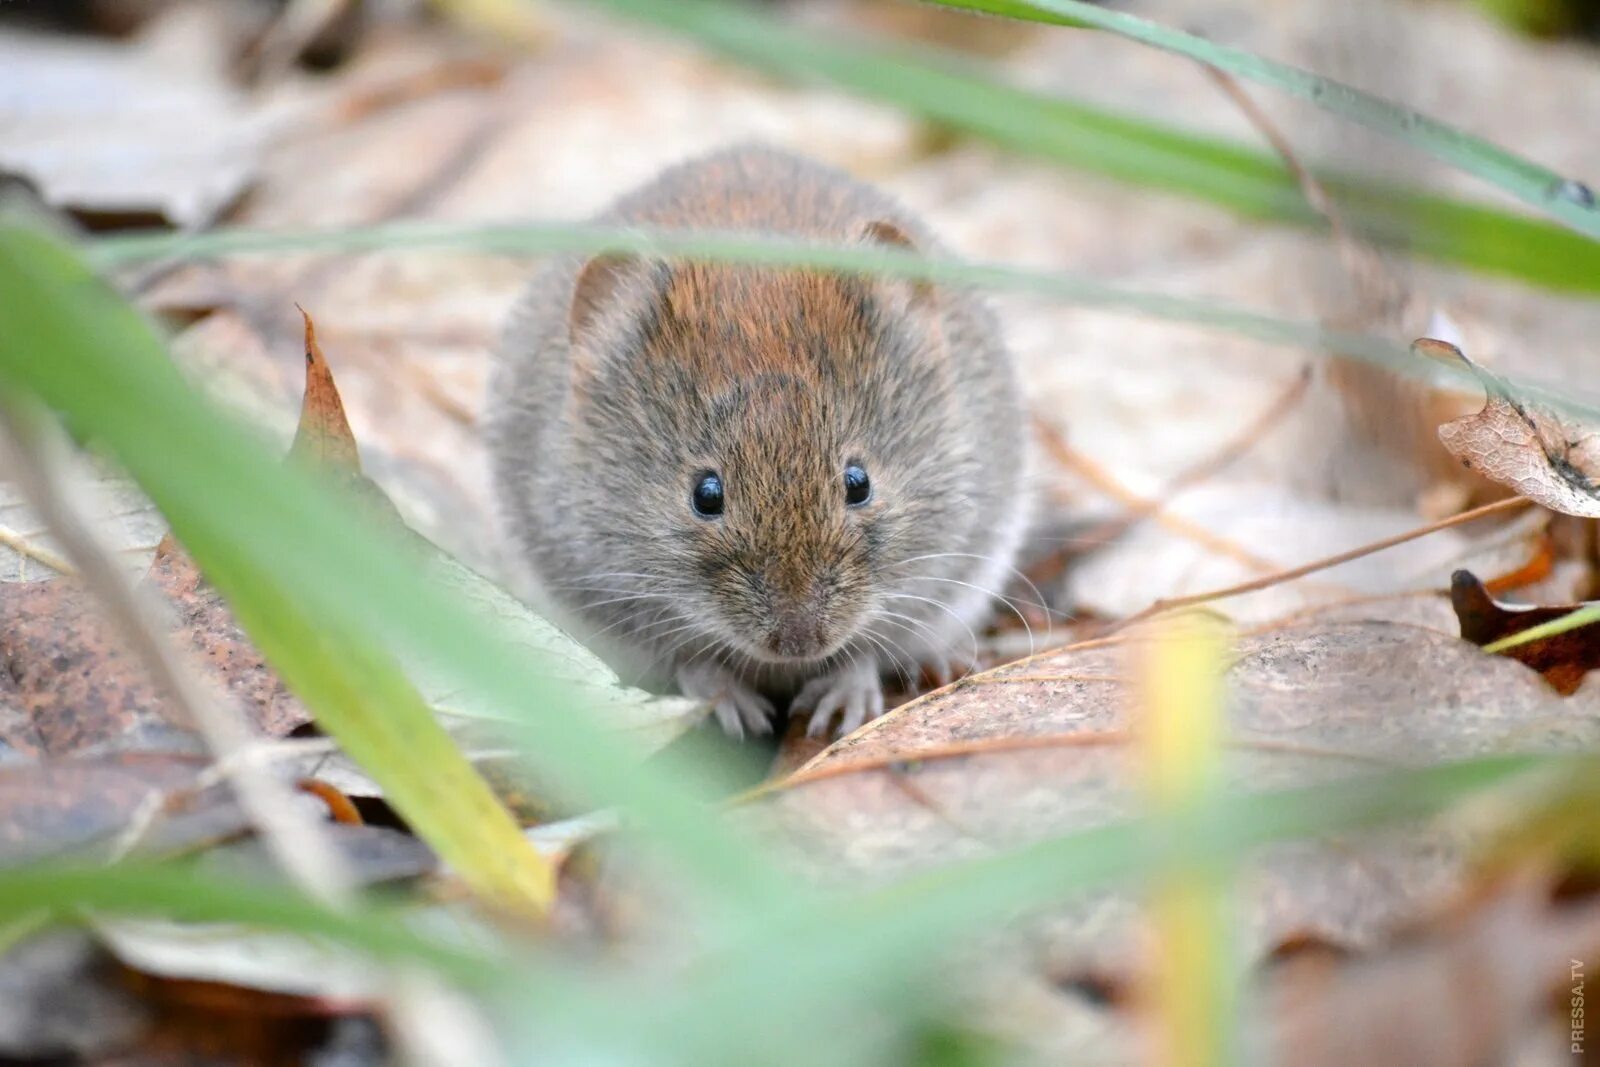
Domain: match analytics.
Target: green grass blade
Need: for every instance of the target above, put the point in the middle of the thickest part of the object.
(880, 950)
(535, 238)
(357, 693)
(170, 892)
(1537, 186)
(968, 97)
(1587, 615)
(286, 553)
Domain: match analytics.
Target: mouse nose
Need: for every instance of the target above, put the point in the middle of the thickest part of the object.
(798, 633)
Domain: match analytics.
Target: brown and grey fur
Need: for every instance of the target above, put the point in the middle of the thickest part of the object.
(621, 379)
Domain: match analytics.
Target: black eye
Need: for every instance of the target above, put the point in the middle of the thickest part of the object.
(707, 495)
(857, 486)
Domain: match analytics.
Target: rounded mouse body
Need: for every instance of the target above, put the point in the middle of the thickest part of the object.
(762, 480)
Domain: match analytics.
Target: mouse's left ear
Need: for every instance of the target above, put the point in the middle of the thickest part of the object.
(599, 283)
(907, 293)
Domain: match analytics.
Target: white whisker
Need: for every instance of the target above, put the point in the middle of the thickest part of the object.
(947, 610)
(1038, 600)
(989, 593)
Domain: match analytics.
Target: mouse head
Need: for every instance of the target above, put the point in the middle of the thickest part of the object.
(769, 443)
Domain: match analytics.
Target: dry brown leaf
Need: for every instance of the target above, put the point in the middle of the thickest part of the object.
(1564, 659)
(148, 132)
(208, 628)
(67, 688)
(1543, 456)
(1486, 981)
(64, 998)
(73, 686)
(324, 437)
(1042, 748)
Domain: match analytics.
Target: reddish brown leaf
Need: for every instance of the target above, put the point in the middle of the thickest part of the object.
(73, 687)
(70, 687)
(323, 437)
(204, 1021)
(1536, 569)
(207, 627)
(1563, 659)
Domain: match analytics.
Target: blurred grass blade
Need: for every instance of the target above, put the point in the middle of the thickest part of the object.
(548, 238)
(360, 696)
(889, 948)
(969, 97)
(1587, 615)
(356, 692)
(536, 238)
(305, 576)
(1537, 186)
(171, 892)
(1192, 995)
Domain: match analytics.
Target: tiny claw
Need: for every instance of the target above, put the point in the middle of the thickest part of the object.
(738, 708)
(854, 691)
(728, 718)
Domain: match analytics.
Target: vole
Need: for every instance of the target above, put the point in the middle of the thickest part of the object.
(762, 481)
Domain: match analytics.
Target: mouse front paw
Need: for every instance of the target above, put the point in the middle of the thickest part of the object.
(737, 706)
(854, 690)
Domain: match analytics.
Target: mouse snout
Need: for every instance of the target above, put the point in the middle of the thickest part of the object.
(798, 613)
(798, 633)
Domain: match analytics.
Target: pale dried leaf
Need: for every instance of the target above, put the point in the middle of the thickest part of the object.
(122, 514)
(278, 963)
(108, 129)
(1284, 529)
(1040, 749)
(1485, 981)
(650, 720)
(1544, 456)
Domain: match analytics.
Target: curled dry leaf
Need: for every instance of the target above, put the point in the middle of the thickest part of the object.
(1533, 450)
(1564, 659)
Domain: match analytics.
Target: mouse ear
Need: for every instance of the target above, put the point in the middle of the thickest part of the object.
(907, 292)
(598, 287)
